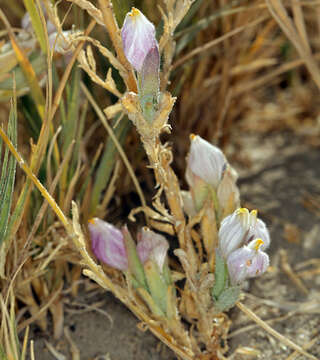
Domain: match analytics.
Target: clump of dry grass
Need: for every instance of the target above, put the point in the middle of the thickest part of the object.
(222, 67)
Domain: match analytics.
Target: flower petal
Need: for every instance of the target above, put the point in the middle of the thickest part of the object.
(108, 244)
(232, 232)
(206, 161)
(152, 246)
(246, 263)
(138, 37)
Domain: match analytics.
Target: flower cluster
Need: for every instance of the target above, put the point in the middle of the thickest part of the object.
(145, 264)
(242, 241)
(242, 236)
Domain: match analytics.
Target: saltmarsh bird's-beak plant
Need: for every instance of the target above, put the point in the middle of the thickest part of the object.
(220, 245)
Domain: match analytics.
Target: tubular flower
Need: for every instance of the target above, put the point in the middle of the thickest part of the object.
(152, 246)
(242, 239)
(247, 262)
(239, 228)
(138, 37)
(205, 161)
(107, 244)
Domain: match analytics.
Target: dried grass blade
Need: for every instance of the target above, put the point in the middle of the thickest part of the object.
(27, 69)
(35, 180)
(91, 10)
(300, 23)
(280, 14)
(273, 332)
(25, 343)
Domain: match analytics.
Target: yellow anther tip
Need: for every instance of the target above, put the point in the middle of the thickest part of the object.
(193, 137)
(91, 221)
(254, 212)
(134, 12)
(258, 244)
(242, 211)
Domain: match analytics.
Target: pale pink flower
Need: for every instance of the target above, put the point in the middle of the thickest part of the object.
(138, 38)
(152, 246)
(247, 262)
(107, 244)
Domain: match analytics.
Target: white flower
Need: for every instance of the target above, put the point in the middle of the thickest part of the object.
(205, 161)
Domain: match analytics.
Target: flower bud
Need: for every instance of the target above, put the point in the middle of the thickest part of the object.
(205, 161)
(239, 228)
(152, 250)
(247, 262)
(149, 83)
(152, 246)
(107, 244)
(138, 37)
(228, 193)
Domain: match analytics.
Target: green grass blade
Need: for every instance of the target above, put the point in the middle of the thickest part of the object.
(69, 129)
(8, 174)
(107, 163)
(38, 28)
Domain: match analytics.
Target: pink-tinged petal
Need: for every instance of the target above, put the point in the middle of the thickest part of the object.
(237, 264)
(152, 246)
(240, 228)
(259, 264)
(259, 230)
(247, 262)
(138, 37)
(206, 161)
(108, 244)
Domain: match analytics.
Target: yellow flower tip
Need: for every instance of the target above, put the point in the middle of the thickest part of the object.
(242, 211)
(254, 213)
(91, 221)
(258, 244)
(134, 12)
(193, 137)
